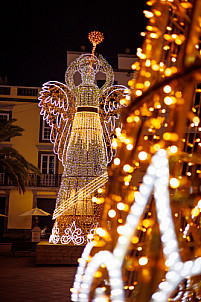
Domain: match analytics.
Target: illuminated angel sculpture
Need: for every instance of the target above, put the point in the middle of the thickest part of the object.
(83, 119)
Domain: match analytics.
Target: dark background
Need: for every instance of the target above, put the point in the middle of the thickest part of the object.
(36, 35)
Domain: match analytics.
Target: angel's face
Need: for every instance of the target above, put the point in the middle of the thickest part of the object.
(87, 78)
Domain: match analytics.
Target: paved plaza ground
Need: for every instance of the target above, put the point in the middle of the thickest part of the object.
(23, 281)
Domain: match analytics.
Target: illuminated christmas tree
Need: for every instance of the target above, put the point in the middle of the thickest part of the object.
(148, 245)
(83, 120)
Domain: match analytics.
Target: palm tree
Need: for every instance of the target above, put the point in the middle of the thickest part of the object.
(13, 164)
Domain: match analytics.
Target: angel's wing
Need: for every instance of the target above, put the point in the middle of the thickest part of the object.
(58, 109)
(110, 107)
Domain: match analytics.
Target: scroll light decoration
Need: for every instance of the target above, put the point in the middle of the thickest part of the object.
(162, 106)
(83, 120)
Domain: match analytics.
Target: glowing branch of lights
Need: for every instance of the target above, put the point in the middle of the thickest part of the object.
(156, 179)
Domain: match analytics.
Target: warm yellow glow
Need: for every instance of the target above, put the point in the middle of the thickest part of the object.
(169, 100)
(153, 35)
(100, 190)
(156, 147)
(157, 12)
(174, 183)
(136, 119)
(143, 261)
(114, 144)
(173, 149)
(97, 274)
(186, 4)
(147, 84)
(170, 136)
(117, 161)
(195, 212)
(90, 236)
(157, 105)
(118, 131)
(166, 47)
(138, 92)
(155, 67)
(146, 223)
(167, 37)
(121, 206)
(129, 147)
(129, 119)
(135, 240)
(131, 82)
(168, 72)
(100, 232)
(148, 14)
(112, 213)
(196, 120)
(167, 89)
(148, 63)
(94, 199)
(127, 168)
(178, 94)
(120, 230)
(100, 200)
(142, 155)
(139, 85)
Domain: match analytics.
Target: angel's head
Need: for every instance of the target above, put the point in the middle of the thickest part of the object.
(86, 69)
(86, 76)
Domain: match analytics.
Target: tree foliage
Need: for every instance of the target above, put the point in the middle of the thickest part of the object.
(12, 163)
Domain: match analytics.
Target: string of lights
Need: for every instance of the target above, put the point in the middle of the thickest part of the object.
(160, 135)
(83, 120)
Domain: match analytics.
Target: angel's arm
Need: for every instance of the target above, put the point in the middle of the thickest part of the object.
(71, 70)
(106, 68)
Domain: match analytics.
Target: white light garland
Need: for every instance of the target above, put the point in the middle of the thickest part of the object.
(74, 234)
(54, 237)
(156, 179)
(82, 120)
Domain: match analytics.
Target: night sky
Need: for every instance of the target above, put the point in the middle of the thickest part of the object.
(36, 35)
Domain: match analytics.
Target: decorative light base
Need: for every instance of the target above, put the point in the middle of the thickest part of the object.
(73, 230)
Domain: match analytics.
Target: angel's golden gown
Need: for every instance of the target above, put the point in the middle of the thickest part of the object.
(85, 169)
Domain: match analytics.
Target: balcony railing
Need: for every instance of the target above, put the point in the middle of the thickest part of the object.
(48, 180)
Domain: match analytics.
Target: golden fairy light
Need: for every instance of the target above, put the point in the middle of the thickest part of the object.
(95, 37)
(164, 160)
(83, 120)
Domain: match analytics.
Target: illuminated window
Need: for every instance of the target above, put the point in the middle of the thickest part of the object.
(48, 163)
(4, 117)
(44, 131)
